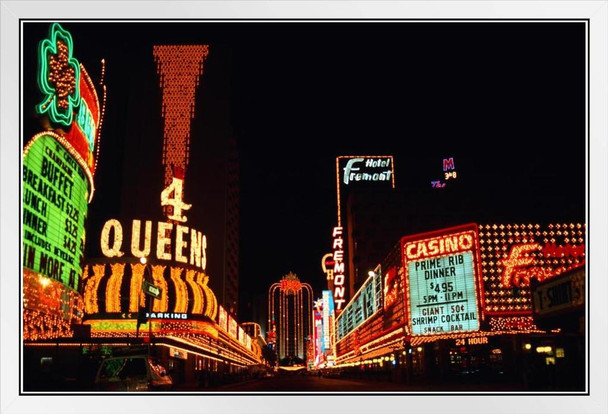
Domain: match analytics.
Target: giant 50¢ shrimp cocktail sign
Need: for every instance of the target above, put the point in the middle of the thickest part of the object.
(443, 281)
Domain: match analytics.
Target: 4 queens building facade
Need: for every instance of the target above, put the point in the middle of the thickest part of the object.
(146, 278)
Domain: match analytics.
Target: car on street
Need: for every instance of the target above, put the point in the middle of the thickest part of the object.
(132, 373)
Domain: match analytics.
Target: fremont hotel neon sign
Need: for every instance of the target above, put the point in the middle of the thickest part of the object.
(370, 168)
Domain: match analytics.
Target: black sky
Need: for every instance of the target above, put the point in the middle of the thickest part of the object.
(506, 100)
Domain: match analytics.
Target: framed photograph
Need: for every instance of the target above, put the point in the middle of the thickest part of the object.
(325, 206)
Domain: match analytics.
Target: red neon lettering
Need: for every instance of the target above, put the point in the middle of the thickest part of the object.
(552, 250)
(519, 269)
(410, 251)
(465, 242)
(451, 244)
(448, 164)
(433, 247)
(518, 257)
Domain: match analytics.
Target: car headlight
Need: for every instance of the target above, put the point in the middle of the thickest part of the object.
(142, 386)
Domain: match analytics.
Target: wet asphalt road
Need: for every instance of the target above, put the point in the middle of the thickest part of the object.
(305, 383)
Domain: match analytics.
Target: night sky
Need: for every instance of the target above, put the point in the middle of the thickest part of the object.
(505, 100)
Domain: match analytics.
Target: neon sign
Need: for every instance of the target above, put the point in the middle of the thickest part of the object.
(474, 340)
(328, 310)
(440, 245)
(448, 164)
(290, 284)
(391, 285)
(359, 309)
(365, 169)
(179, 68)
(58, 76)
(190, 245)
(116, 288)
(318, 338)
(223, 319)
(362, 170)
(69, 96)
(232, 327)
(513, 254)
(55, 196)
(518, 269)
(449, 172)
(86, 123)
(166, 315)
(339, 288)
(442, 282)
(172, 196)
(327, 264)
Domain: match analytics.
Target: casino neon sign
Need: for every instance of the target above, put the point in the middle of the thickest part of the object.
(441, 245)
(444, 292)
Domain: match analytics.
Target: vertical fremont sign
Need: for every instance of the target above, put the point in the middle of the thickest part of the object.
(339, 288)
(443, 286)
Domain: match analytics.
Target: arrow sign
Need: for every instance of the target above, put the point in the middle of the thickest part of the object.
(150, 289)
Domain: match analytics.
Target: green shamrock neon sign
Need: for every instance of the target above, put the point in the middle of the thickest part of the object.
(58, 76)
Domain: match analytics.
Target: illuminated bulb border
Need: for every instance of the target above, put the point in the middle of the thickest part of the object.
(71, 150)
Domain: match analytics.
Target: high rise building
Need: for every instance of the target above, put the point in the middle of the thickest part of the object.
(290, 316)
(375, 221)
(169, 135)
(230, 289)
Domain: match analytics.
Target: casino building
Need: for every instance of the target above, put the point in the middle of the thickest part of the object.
(471, 303)
(290, 318)
(148, 271)
(153, 280)
(59, 164)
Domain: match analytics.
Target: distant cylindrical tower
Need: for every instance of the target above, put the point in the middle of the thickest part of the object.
(289, 310)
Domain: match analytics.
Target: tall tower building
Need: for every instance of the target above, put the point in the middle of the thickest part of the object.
(375, 220)
(290, 311)
(231, 262)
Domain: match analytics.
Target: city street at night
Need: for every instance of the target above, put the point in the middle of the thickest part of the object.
(173, 236)
(285, 207)
(314, 383)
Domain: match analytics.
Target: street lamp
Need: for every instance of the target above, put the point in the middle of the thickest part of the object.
(143, 319)
(140, 320)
